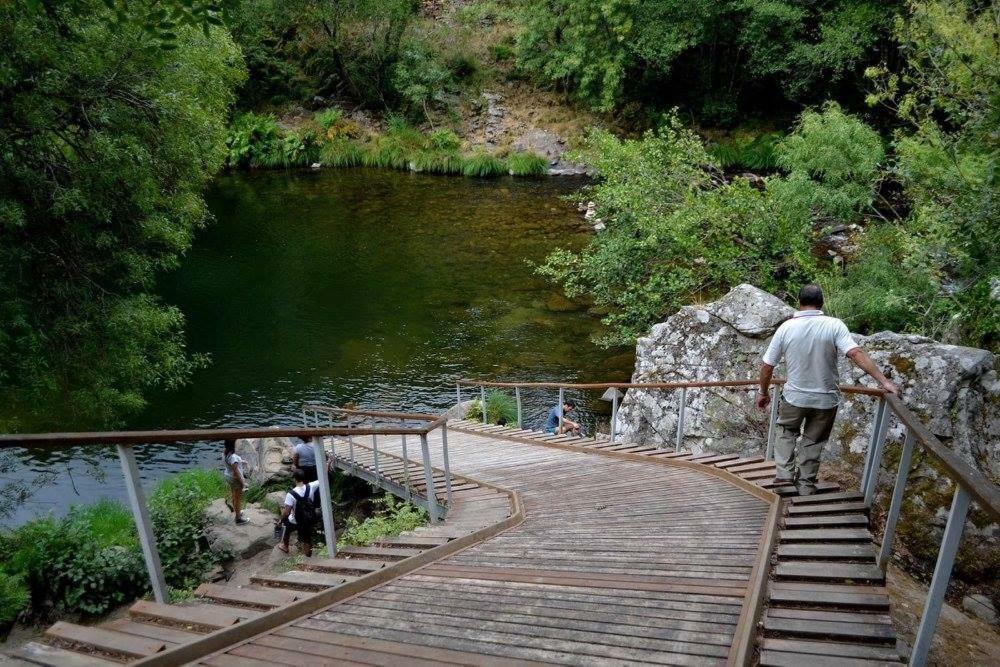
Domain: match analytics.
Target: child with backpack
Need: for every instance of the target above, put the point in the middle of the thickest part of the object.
(300, 511)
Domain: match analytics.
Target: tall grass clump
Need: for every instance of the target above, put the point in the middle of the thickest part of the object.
(483, 165)
(437, 162)
(527, 164)
(748, 152)
(341, 152)
(501, 408)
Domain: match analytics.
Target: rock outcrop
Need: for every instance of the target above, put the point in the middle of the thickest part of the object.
(242, 541)
(953, 390)
(267, 459)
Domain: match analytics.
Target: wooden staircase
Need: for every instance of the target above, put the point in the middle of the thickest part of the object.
(827, 602)
(152, 627)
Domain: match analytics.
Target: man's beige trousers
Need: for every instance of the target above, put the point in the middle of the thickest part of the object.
(814, 425)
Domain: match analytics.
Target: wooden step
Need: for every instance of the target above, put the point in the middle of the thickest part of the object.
(736, 463)
(301, 580)
(859, 627)
(838, 497)
(43, 654)
(380, 552)
(785, 659)
(825, 535)
(814, 509)
(826, 571)
(152, 631)
(841, 596)
(789, 491)
(247, 597)
(830, 551)
(410, 541)
(807, 649)
(101, 639)
(831, 521)
(351, 565)
(184, 617)
(752, 467)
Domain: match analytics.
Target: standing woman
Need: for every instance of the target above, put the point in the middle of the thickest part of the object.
(234, 475)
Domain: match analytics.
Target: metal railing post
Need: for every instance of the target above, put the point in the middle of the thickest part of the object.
(432, 509)
(772, 425)
(517, 394)
(482, 401)
(350, 446)
(614, 416)
(378, 473)
(876, 427)
(333, 439)
(458, 399)
(140, 514)
(319, 451)
(876, 459)
(447, 464)
(406, 466)
(682, 405)
(562, 394)
(897, 500)
(942, 572)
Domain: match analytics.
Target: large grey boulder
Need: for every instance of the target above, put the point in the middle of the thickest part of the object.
(267, 459)
(242, 541)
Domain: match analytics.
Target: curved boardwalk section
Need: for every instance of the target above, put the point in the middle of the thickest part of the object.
(617, 561)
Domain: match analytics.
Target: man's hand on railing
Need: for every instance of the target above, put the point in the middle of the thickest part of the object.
(763, 401)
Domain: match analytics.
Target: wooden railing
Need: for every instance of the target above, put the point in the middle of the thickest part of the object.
(125, 441)
(970, 484)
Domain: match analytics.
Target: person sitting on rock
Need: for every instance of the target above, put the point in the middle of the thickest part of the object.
(233, 465)
(300, 512)
(304, 457)
(568, 426)
(811, 344)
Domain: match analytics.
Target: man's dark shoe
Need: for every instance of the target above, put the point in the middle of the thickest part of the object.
(782, 481)
(806, 489)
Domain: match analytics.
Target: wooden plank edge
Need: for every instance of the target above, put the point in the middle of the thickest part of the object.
(741, 652)
(225, 639)
(733, 479)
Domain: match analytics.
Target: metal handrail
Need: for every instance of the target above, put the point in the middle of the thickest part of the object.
(125, 441)
(970, 484)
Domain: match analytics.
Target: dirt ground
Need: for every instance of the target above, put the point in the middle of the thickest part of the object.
(960, 639)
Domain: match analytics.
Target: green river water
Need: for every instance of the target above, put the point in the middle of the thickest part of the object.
(376, 287)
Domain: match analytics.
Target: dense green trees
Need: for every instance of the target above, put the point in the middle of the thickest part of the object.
(106, 142)
(719, 53)
(926, 202)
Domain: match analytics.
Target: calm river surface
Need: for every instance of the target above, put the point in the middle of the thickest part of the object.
(376, 287)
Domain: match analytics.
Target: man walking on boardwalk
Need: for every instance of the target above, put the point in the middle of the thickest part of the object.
(811, 343)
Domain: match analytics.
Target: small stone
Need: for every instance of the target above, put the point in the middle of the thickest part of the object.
(315, 165)
(599, 226)
(590, 214)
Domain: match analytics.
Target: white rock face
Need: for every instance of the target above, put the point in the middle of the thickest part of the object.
(954, 390)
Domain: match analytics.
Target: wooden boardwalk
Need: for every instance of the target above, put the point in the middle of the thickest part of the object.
(616, 561)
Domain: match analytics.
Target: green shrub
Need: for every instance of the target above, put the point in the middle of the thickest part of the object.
(501, 408)
(391, 518)
(483, 165)
(204, 484)
(14, 598)
(251, 137)
(445, 140)
(180, 524)
(527, 164)
(327, 118)
(748, 152)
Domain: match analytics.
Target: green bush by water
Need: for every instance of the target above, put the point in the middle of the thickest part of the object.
(391, 518)
(757, 152)
(501, 408)
(483, 165)
(89, 561)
